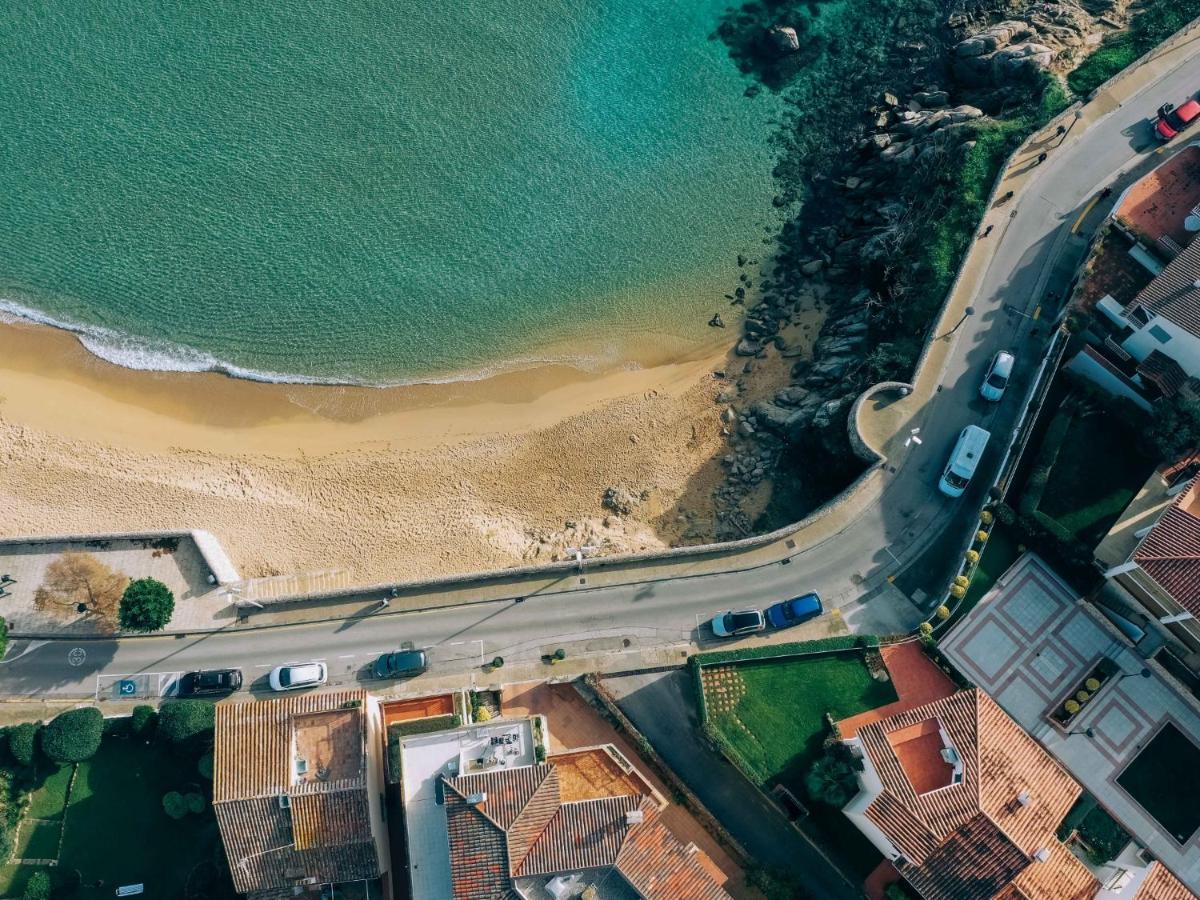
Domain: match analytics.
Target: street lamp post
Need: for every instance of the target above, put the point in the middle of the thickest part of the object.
(581, 553)
(1063, 132)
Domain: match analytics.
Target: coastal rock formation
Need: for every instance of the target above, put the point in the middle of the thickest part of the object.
(783, 39)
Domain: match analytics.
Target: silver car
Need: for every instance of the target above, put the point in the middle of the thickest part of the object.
(737, 622)
(998, 374)
(298, 675)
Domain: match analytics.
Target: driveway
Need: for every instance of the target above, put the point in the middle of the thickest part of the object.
(660, 704)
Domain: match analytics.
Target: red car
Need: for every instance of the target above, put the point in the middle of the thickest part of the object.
(1172, 120)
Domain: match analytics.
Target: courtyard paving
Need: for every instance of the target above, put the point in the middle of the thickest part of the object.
(1029, 643)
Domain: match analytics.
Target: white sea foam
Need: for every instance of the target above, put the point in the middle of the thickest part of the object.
(141, 354)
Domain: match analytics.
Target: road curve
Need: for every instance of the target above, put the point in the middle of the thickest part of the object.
(1032, 247)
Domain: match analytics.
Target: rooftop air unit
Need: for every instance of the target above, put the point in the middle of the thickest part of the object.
(476, 799)
(1023, 798)
(635, 817)
(1042, 855)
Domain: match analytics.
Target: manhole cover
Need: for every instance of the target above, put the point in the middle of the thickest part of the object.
(77, 656)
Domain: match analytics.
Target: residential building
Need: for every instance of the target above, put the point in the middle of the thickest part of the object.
(1158, 539)
(966, 804)
(297, 793)
(487, 821)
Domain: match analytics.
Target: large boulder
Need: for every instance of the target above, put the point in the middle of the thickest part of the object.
(783, 39)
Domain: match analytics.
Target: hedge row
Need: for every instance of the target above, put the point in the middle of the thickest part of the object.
(1052, 444)
(424, 726)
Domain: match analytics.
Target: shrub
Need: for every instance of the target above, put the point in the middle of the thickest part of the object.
(1071, 707)
(1083, 696)
(481, 714)
(981, 536)
(37, 887)
(957, 591)
(423, 726)
(972, 556)
(146, 605)
(1005, 514)
(174, 805)
(22, 742)
(831, 781)
(539, 753)
(926, 629)
(1092, 685)
(194, 802)
(560, 654)
(986, 517)
(204, 765)
(185, 720)
(497, 662)
(3, 637)
(143, 719)
(943, 612)
(962, 580)
(74, 735)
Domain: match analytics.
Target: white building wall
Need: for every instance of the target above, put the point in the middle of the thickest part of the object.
(1182, 346)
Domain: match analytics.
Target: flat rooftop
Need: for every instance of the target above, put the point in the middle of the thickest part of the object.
(919, 750)
(595, 772)
(1157, 205)
(424, 758)
(326, 746)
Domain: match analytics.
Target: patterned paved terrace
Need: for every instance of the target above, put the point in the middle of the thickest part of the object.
(1029, 643)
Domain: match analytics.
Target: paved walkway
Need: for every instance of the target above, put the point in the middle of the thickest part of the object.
(916, 679)
(1030, 643)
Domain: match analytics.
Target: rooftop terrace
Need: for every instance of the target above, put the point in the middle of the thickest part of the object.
(326, 746)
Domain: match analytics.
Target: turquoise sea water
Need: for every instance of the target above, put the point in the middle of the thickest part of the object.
(378, 191)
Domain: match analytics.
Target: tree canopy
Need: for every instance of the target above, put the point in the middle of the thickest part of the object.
(79, 583)
(74, 735)
(146, 605)
(183, 720)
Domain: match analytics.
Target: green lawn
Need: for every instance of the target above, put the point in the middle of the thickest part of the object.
(998, 555)
(115, 829)
(779, 724)
(1097, 472)
(1154, 780)
(49, 796)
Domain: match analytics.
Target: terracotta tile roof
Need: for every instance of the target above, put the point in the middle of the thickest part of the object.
(1173, 293)
(524, 829)
(651, 861)
(1161, 884)
(1061, 877)
(975, 837)
(1163, 372)
(1170, 553)
(320, 829)
(975, 863)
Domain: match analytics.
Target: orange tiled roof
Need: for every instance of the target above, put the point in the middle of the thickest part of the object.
(1161, 884)
(976, 836)
(523, 828)
(1061, 877)
(320, 829)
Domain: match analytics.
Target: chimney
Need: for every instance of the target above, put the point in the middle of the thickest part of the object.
(634, 817)
(478, 799)
(1023, 798)
(1042, 855)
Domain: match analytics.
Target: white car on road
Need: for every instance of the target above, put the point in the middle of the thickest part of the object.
(298, 675)
(733, 623)
(998, 374)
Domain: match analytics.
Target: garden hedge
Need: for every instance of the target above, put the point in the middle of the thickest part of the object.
(73, 736)
(424, 726)
(143, 718)
(184, 720)
(22, 742)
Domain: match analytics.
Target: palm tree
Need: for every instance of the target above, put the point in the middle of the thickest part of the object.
(831, 781)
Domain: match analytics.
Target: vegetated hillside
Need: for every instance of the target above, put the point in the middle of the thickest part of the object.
(899, 115)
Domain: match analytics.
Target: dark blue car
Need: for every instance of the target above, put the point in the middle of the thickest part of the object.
(792, 612)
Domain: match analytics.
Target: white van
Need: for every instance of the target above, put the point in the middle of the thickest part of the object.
(968, 450)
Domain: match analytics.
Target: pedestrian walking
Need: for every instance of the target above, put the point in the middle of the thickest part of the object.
(1041, 158)
(1106, 193)
(988, 230)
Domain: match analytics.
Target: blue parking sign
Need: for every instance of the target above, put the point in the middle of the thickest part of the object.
(126, 688)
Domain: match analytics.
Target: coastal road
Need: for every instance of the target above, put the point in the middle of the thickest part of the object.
(895, 536)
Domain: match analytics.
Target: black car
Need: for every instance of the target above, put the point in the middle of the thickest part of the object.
(210, 681)
(401, 664)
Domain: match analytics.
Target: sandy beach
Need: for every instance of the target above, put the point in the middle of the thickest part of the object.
(383, 483)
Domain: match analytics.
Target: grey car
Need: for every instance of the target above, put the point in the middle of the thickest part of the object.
(401, 664)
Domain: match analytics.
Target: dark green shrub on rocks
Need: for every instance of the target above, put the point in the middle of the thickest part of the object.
(73, 736)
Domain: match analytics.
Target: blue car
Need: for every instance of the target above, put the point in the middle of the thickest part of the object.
(792, 612)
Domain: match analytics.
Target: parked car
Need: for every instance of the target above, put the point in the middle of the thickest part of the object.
(787, 613)
(298, 675)
(1173, 119)
(996, 379)
(743, 621)
(401, 664)
(210, 681)
(964, 459)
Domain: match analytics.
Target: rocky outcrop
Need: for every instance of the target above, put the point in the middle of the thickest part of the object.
(783, 40)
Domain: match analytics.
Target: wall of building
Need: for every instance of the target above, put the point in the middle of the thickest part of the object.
(376, 780)
(1158, 604)
(1182, 346)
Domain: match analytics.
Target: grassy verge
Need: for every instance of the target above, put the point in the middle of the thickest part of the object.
(1000, 552)
(1153, 25)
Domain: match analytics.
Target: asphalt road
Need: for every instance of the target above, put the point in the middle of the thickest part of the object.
(894, 536)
